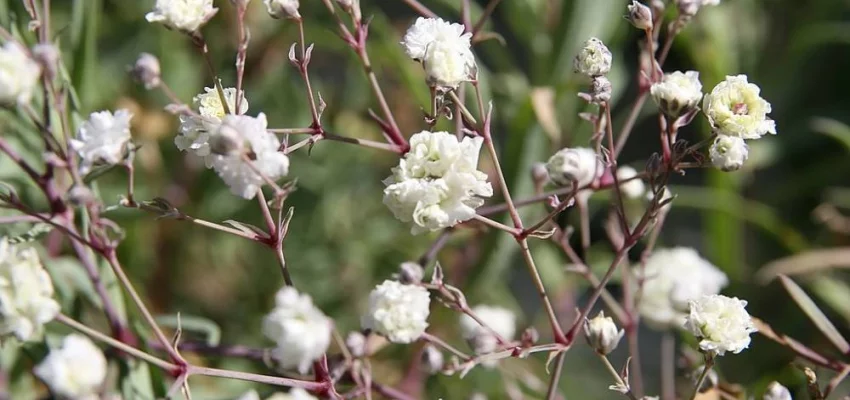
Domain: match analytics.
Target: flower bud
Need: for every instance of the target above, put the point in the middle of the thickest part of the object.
(640, 15)
(432, 359)
(147, 71)
(688, 8)
(356, 344)
(594, 59)
(775, 391)
(728, 153)
(410, 273)
(602, 334)
(578, 164)
(283, 8)
(601, 89)
(677, 93)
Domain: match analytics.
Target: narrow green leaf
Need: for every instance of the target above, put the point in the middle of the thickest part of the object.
(136, 383)
(815, 314)
(834, 129)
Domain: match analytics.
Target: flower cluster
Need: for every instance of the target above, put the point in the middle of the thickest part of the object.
(721, 323)
(26, 292)
(103, 138)
(594, 58)
(398, 311)
(501, 320)
(443, 49)
(437, 184)
(184, 15)
(195, 129)
(300, 330)
(76, 370)
(671, 278)
(18, 74)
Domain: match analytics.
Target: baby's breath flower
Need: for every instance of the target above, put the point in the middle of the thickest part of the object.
(75, 370)
(734, 108)
(103, 138)
(499, 319)
(594, 59)
(728, 152)
(579, 164)
(602, 333)
(256, 152)
(633, 188)
(721, 323)
(26, 292)
(195, 130)
(397, 311)
(283, 8)
(147, 70)
(640, 15)
(775, 391)
(673, 277)
(18, 74)
(677, 93)
(300, 330)
(184, 15)
(444, 50)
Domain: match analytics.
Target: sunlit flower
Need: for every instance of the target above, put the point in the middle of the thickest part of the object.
(184, 15)
(195, 130)
(26, 292)
(677, 93)
(728, 152)
(18, 74)
(76, 370)
(444, 50)
(602, 334)
(283, 8)
(579, 164)
(300, 330)
(397, 311)
(103, 138)
(499, 319)
(734, 108)
(594, 59)
(721, 323)
(630, 186)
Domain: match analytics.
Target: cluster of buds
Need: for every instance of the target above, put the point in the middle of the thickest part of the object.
(594, 60)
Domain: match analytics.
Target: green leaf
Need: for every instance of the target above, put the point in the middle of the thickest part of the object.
(815, 314)
(832, 128)
(193, 324)
(136, 382)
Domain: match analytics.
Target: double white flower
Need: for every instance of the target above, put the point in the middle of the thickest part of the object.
(735, 108)
(721, 323)
(18, 74)
(75, 370)
(195, 130)
(728, 152)
(397, 311)
(26, 292)
(443, 49)
(677, 93)
(103, 138)
(300, 330)
(437, 184)
(184, 15)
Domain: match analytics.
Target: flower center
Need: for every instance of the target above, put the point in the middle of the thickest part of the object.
(740, 109)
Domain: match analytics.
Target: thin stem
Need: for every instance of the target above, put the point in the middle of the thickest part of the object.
(552, 390)
(541, 290)
(267, 214)
(494, 224)
(201, 43)
(86, 259)
(621, 254)
(491, 6)
(241, 54)
(584, 217)
(435, 248)
(293, 131)
(668, 363)
(552, 214)
(616, 375)
(421, 9)
(363, 142)
(441, 343)
(302, 68)
(394, 133)
(709, 362)
(281, 260)
(267, 379)
(464, 112)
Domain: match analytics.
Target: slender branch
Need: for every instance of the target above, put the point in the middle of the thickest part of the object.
(552, 390)
(709, 362)
(305, 75)
(267, 379)
(668, 366)
(441, 343)
(421, 9)
(616, 375)
(495, 224)
(241, 54)
(491, 6)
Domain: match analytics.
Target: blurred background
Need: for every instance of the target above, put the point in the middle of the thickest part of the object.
(343, 241)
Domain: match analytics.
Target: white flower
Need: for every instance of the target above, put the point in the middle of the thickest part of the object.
(673, 277)
(721, 323)
(775, 391)
(250, 137)
(634, 188)
(103, 138)
(184, 15)
(437, 184)
(250, 395)
(293, 394)
(283, 8)
(640, 15)
(18, 74)
(594, 59)
(26, 293)
(500, 320)
(728, 152)
(602, 334)
(75, 370)
(578, 164)
(195, 130)
(300, 330)
(397, 311)
(444, 50)
(677, 93)
(735, 108)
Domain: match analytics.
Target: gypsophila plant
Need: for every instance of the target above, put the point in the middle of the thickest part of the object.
(446, 183)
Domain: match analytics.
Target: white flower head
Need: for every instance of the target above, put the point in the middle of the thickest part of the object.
(775, 391)
(250, 395)
(602, 334)
(728, 152)
(300, 330)
(630, 186)
(251, 141)
(677, 93)
(671, 278)
(444, 50)
(437, 183)
(195, 130)
(499, 319)
(18, 74)
(293, 394)
(75, 370)
(594, 59)
(103, 138)
(721, 323)
(283, 8)
(184, 15)
(735, 108)
(26, 292)
(579, 164)
(397, 311)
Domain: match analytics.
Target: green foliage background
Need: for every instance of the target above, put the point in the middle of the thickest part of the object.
(344, 241)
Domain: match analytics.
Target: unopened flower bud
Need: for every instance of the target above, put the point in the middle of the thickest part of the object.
(579, 164)
(601, 89)
(594, 59)
(356, 344)
(677, 93)
(539, 173)
(688, 8)
(602, 334)
(640, 15)
(410, 273)
(432, 359)
(728, 153)
(147, 70)
(48, 56)
(775, 391)
(283, 8)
